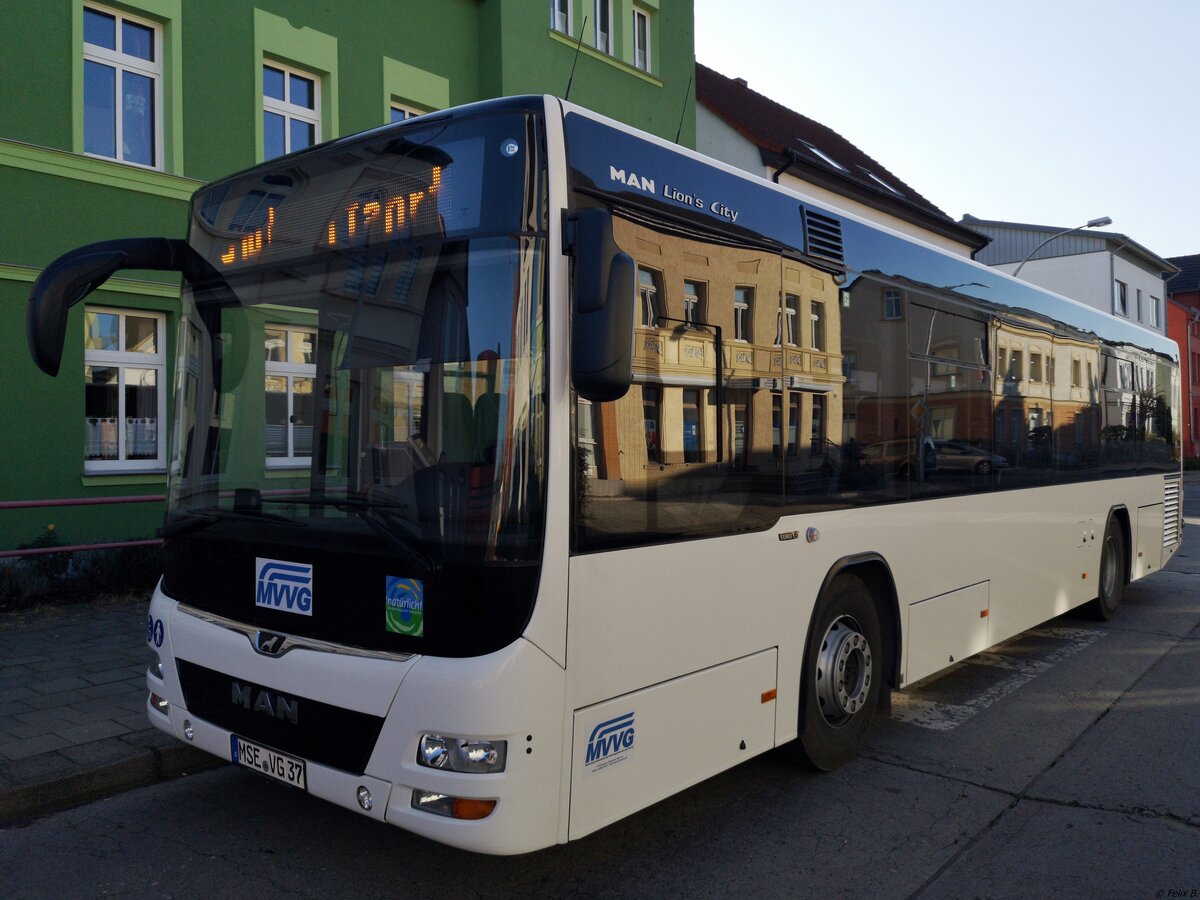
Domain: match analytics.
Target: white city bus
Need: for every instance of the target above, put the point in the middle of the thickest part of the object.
(527, 469)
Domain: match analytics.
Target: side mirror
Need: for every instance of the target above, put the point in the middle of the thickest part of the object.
(602, 310)
(74, 275)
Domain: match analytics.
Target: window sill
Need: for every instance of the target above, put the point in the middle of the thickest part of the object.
(613, 61)
(132, 476)
(62, 164)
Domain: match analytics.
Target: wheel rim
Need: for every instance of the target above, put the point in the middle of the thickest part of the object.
(985, 467)
(843, 671)
(1108, 569)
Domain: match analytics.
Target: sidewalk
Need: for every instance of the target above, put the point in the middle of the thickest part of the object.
(73, 724)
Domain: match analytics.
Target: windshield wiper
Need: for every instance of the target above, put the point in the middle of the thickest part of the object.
(198, 519)
(374, 514)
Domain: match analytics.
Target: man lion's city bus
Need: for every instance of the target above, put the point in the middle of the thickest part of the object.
(526, 469)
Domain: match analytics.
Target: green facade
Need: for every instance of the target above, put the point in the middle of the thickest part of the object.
(366, 56)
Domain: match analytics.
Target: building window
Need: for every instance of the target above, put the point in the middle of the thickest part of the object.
(1120, 298)
(817, 317)
(793, 432)
(560, 15)
(777, 425)
(124, 397)
(1002, 361)
(398, 112)
(122, 87)
(893, 304)
(1154, 304)
(1076, 373)
(585, 433)
(1139, 304)
(648, 309)
(818, 423)
(651, 419)
(641, 40)
(694, 311)
(290, 409)
(291, 110)
(603, 22)
(1035, 367)
(691, 425)
(785, 327)
(1017, 372)
(850, 366)
(743, 313)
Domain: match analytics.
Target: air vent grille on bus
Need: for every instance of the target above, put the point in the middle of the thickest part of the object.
(1171, 512)
(824, 236)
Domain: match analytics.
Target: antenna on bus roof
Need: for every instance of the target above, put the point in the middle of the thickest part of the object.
(683, 109)
(578, 44)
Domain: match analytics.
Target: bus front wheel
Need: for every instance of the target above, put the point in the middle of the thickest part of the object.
(843, 674)
(1113, 575)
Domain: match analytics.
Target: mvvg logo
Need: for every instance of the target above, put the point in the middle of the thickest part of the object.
(610, 742)
(285, 586)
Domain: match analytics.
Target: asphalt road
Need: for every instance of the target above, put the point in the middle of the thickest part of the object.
(1065, 761)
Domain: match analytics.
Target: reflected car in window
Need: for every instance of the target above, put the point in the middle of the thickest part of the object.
(956, 456)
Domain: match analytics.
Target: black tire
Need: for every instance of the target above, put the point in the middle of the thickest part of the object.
(984, 467)
(845, 642)
(1114, 574)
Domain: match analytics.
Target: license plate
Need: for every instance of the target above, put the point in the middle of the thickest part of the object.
(279, 766)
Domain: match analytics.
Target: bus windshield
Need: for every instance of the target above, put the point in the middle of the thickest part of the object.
(364, 371)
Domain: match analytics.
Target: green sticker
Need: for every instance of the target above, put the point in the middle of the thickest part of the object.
(405, 606)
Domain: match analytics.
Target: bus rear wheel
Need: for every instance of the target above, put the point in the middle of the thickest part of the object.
(1113, 576)
(842, 677)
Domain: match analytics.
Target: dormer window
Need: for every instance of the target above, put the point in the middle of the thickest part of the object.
(824, 157)
(879, 181)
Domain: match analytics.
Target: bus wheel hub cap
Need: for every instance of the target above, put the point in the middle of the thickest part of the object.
(843, 670)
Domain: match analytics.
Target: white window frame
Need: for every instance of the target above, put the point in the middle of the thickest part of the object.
(1120, 298)
(649, 307)
(291, 371)
(817, 323)
(605, 46)
(290, 110)
(1155, 305)
(743, 313)
(785, 327)
(121, 360)
(408, 111)
(694, 294)
(646, 64)
(559, 10)
(124, 63)
(893, 296)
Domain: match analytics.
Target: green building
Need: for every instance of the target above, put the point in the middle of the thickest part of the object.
(112, 114)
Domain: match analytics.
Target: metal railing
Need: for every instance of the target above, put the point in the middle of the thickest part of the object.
(79, 501)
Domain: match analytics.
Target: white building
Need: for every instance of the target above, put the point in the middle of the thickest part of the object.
(1104, 269)
(752, 132)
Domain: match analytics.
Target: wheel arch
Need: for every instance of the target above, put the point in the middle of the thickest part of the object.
(1120, 513)
(875, 572)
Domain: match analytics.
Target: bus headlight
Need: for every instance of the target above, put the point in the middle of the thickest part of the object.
(455, 754)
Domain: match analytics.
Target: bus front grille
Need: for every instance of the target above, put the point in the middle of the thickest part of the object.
(315, 731)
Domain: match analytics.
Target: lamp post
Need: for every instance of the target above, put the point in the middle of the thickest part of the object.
(1091, 223)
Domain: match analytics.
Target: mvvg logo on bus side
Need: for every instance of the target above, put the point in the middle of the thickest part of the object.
(286, 586)
(610, 742)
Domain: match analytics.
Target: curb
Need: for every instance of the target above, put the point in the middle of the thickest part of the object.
(52, 781)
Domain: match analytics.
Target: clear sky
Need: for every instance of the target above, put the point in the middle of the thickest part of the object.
(1044, 111)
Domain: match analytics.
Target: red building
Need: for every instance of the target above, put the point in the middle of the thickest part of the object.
(1183, 326)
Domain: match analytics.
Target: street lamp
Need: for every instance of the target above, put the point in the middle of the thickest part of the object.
(1091, 223)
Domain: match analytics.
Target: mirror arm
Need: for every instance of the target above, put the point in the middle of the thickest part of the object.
(71, 277)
